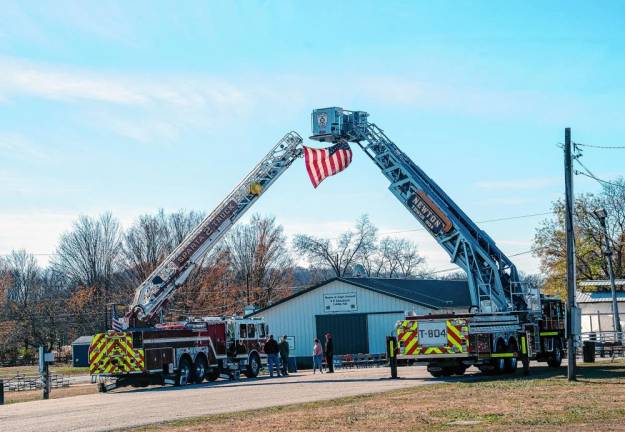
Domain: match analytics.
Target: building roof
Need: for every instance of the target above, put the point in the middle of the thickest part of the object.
(83, 340)
(601, 283)
(598, 296)
(431, 293)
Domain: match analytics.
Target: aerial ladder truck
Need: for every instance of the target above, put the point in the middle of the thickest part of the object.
(144, 350)
(508, 320)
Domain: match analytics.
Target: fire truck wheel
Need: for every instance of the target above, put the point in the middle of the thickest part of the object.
(436, 374)
(499, 363)
(512, 362)
(448, 371)
(184, 375)
(212, 374)
(201, 366)
(253, 366)
(460, 369)
(556, 357)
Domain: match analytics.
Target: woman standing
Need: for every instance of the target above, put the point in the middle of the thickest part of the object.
(317, 356)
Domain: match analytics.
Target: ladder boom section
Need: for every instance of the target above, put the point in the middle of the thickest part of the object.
(491, 275)
(153, 295)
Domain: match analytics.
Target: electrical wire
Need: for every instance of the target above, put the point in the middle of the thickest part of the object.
(601, 147)
(589, 174)
(482, 221)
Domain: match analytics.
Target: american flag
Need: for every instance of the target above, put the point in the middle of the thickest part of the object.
(325, 162)
(116, 323)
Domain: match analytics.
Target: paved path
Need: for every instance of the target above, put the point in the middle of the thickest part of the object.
(124, 409)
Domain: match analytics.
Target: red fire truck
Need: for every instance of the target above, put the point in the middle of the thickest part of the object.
(179, 353)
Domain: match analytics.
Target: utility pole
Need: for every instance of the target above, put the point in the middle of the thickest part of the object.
(570, 255)
(602, 215)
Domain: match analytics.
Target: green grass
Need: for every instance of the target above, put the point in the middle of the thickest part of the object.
(543, 400)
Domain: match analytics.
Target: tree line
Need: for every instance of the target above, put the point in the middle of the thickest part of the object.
(550, 239)
(97, 263)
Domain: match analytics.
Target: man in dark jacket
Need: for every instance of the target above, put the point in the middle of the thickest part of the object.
(329, 351)
(284, 355)
(271, 349)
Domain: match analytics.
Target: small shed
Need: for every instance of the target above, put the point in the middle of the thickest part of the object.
(80, 351)
(596, 310)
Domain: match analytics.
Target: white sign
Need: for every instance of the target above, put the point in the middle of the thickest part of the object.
(291, 342)
(432, 333)
(340, 302)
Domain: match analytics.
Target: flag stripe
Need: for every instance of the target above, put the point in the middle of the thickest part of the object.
(325, 162)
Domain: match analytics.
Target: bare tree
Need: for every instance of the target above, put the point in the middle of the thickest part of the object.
(25, 275)
(89, 254)
(152, 237)
(338, 255)
(259, 259)
(393, 258)
(30, 304)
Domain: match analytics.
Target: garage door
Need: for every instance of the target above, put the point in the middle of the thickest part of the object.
(349, 332)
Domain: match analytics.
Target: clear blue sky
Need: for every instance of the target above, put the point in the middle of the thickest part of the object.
(133, 106)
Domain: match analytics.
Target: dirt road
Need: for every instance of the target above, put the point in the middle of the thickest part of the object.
(124, 409)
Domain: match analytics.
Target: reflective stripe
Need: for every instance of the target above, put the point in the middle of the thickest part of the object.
(523, 345)
(391, 348)
(549, 333)
(500, 355)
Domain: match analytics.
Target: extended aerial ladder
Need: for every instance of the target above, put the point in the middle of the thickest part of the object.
(508, 320)
(493, 279)
(153, 295)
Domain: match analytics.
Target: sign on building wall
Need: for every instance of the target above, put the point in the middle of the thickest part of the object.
(340, 302)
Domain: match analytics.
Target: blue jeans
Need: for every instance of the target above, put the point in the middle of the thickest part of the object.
(273, 362)
(317, 361)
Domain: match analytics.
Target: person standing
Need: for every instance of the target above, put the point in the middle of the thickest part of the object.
(317, 356)
(271, 349)
(284, 355)
(329, 352)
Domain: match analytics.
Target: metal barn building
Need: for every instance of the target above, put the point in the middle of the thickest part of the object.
(358, 312)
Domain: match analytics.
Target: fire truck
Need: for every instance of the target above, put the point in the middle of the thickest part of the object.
(508, 319)
(143, 350)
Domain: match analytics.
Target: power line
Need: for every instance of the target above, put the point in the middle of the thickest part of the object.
(589, 174)
(482, 221)
(601, 147)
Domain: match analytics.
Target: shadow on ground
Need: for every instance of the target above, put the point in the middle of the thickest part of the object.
(601, 372)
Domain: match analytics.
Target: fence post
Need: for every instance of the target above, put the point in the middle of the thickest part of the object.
(1, 392)
(44, 372)
(391, 347)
